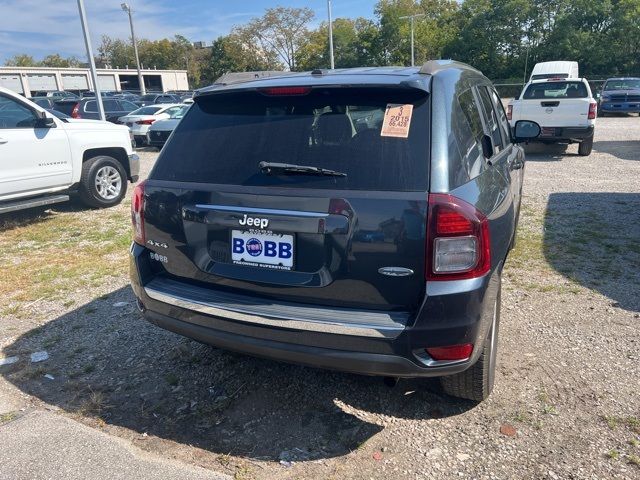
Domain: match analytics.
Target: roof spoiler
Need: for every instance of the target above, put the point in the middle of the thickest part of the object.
(434, 66)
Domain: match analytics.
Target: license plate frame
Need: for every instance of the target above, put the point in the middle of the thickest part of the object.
(259, 258)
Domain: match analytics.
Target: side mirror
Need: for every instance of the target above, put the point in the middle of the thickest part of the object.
(44, 121)
(525, 130)
(487, 147)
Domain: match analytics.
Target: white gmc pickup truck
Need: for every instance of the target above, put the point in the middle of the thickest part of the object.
(564, 109)
(44, 158)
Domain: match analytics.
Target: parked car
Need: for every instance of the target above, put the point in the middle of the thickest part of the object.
(564, 109)
(248, 234)
(45, 102)
(557, 69)
(88, 108)
(159, 132)
(44, 157)
(141, 119)
(154, 98)
(619, 95)
(128, 96)
(56, 94)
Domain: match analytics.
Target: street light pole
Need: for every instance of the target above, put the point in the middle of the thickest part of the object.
(412, 18)
(127, 8)
(333, 64)
(92, 62)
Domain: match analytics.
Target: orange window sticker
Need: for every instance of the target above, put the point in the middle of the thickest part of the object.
(397, 120)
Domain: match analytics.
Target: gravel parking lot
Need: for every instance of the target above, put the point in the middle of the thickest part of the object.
(566, 399)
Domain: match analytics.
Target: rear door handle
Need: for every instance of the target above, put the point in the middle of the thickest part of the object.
(3, 141)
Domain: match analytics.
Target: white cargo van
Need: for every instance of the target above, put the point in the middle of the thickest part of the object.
(559, 69)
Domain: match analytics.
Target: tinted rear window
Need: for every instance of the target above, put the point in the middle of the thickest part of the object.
(223, 138)
(556, 90)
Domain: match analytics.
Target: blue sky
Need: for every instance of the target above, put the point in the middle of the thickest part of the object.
(41, 27)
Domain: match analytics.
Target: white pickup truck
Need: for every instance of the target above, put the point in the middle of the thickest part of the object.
(564, 109)
(44, 158)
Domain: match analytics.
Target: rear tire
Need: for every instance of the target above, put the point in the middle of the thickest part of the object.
(103, 182)
(476, 383)
(585, 147)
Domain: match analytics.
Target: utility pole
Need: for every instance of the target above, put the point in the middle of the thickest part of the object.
(127, 8)
(526, 64)
(92, 62)
(412, 18)
(333, 64)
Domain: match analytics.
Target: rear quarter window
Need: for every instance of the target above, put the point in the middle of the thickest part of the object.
(223, 138)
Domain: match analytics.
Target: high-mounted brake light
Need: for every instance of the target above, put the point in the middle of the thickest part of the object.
(458, 243)
(146, 122)
(137, 213)
(285, 91)
(509, 112)
(75, 113)
(593, 108)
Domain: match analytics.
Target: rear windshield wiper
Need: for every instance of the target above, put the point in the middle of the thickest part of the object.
(272, 168)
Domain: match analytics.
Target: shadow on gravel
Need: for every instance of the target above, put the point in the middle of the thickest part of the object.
(540, 152)
(9, 221)
(592, 238)
(109, 364)
(622, 149)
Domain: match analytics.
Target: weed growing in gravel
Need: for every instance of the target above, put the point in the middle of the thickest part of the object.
(7, 417)
(243, 472)
(634, 443)
(93, 405)
(634, 460)
(613, 454)
(612, 421)
(172, 379)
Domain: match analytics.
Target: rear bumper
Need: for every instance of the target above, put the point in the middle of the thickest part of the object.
(451, 314)
(566, 133)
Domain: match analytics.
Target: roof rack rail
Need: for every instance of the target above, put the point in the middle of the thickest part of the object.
(433, 66)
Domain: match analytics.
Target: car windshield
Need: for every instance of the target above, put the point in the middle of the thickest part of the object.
(556, 90)
(622, 84)
(229, 135)
(180, 113)
(146, 111)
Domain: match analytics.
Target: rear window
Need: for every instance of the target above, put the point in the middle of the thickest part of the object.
(65, 106)
(145, 111)
(223, 138)
(556, 90)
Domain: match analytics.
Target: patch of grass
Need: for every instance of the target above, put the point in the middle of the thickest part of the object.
(243, 472)
(634, 460)
(51, 341)
(634, 443)
(7, 417)
(546, 406)
(634, 424)
(10, 310)
(172, 379)
(613, 454)
(88, 368)
(31, 372)
(93, 405)
(611, 421)
(68, 303)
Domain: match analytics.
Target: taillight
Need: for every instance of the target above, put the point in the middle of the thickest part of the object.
(75, 113)
(137, 213)
(458, 243)
(145, 122)
(509, 112)
(593, 108)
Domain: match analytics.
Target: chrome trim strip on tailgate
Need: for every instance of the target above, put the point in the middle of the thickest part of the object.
(263, 211)
(277, 315)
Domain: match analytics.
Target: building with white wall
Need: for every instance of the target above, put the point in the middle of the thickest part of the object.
(30, 81)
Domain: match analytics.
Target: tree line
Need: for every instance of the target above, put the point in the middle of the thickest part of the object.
(499, 37)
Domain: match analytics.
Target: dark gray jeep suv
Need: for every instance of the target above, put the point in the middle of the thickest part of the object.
(356, 220)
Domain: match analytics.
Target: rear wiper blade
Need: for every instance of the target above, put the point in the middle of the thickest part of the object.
(273, 168)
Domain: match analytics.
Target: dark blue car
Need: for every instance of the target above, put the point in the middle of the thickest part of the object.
(620, 95)
(276, 223)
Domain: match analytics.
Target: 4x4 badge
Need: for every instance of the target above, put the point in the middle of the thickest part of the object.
(153, 243)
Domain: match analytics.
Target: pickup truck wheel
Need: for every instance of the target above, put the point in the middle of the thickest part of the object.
(103, 182)
(476, 383)
(585, 147)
